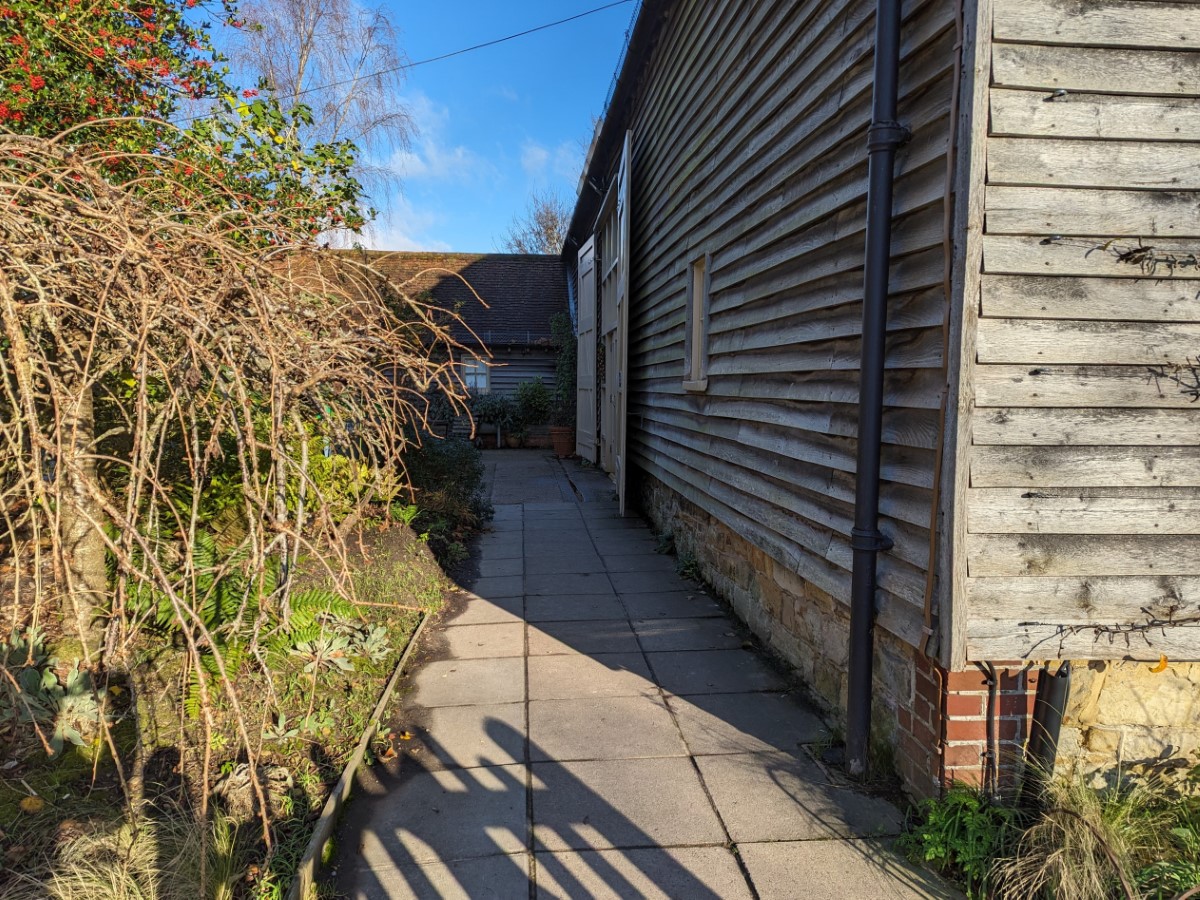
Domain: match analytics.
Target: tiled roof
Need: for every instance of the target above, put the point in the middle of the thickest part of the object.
(522, 291)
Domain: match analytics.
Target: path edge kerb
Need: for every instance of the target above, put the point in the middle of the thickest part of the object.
(306, 871)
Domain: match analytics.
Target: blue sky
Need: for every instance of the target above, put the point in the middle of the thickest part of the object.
(498, 123)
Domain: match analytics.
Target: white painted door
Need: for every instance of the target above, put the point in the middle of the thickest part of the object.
(585, 407)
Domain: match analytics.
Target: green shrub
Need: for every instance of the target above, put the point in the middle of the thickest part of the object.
(447, 479)
(493, 409)
(565, 369)
(960, 835)
(533, 404)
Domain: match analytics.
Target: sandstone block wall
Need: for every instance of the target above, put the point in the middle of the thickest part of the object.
(929, 725)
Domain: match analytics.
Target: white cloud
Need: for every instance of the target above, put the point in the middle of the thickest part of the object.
(504, 92)
(562, 161)
(430, 157)
(568, 162)
(403, 227)
(534, 158)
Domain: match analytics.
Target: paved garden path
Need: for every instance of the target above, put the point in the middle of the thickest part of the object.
(586, 723)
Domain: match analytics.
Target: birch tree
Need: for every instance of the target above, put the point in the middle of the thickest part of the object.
(340, 59)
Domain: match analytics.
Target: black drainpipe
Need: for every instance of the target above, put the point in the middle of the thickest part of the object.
(884, 136)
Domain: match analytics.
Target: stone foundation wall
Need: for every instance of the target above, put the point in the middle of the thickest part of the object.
(798, 621)
(1127, 712)
(929, 725)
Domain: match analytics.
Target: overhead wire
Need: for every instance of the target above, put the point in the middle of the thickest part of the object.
(444, 56)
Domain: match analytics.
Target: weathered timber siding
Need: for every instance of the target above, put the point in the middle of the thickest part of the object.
(511, 367)
(1082, 488)
(749, 144)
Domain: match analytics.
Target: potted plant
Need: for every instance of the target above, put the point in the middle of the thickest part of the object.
(493, 409)
(562, 416)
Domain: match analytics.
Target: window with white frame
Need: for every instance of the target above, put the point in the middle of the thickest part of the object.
(475, 376)
(695, 350)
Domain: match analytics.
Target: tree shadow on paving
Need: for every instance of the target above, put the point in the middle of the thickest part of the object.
(464, 832)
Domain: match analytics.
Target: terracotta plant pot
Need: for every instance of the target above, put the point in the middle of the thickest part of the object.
(562, 437)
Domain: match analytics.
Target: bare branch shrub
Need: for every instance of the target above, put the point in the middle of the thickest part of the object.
(161, 346)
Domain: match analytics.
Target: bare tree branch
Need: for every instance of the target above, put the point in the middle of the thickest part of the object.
(543, 226)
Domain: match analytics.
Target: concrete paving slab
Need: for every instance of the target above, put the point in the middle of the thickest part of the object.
(607, 728)
(501, 568)
(629, 523)
(478, 611)
(555, 534)
(746, 723)
(640, 562)
(546, 519)
(488, 878)
(499, 550)
(469, 682)
(619, 806)
(688, 634)
(567, 585)
(650, 582)
(465, 736)
(600, 509)
(671, 605)
(779, 797)
(502, 586)
(714, 672)
(549, 507)
(562, 609)
(625, 541)
(485, 641)
(601, 804)
(579, 562)
(607, 636)
(601, 675)
(839, 870)
(446, 815)
(563, 546)
(695, 873)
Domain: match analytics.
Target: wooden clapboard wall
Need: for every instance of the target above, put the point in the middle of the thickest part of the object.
(1079, 472)
(749, 132)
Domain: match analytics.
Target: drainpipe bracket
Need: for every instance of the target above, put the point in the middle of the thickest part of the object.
(885, 135)
(870, 539)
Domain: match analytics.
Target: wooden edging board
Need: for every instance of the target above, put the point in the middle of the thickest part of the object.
(306, 872)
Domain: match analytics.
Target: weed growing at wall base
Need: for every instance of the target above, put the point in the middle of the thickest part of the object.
(960, 835)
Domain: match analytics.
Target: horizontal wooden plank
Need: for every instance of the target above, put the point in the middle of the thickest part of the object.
(1085, 427)
(1085, 466)
(1020, 511)
(1092, 69)
(1111, 299)
(1095, 116)
(1083, 599)
(1093, 164)
(1111, 23)
(812, 519)
(1014, 640)
(1097, 257)
(910, 389)
(903, 619)
(1047, 211)
(1073, 554)
(1076, 386)
(1083, 343)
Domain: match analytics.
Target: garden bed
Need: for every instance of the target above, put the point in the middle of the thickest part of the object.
(65, 819)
